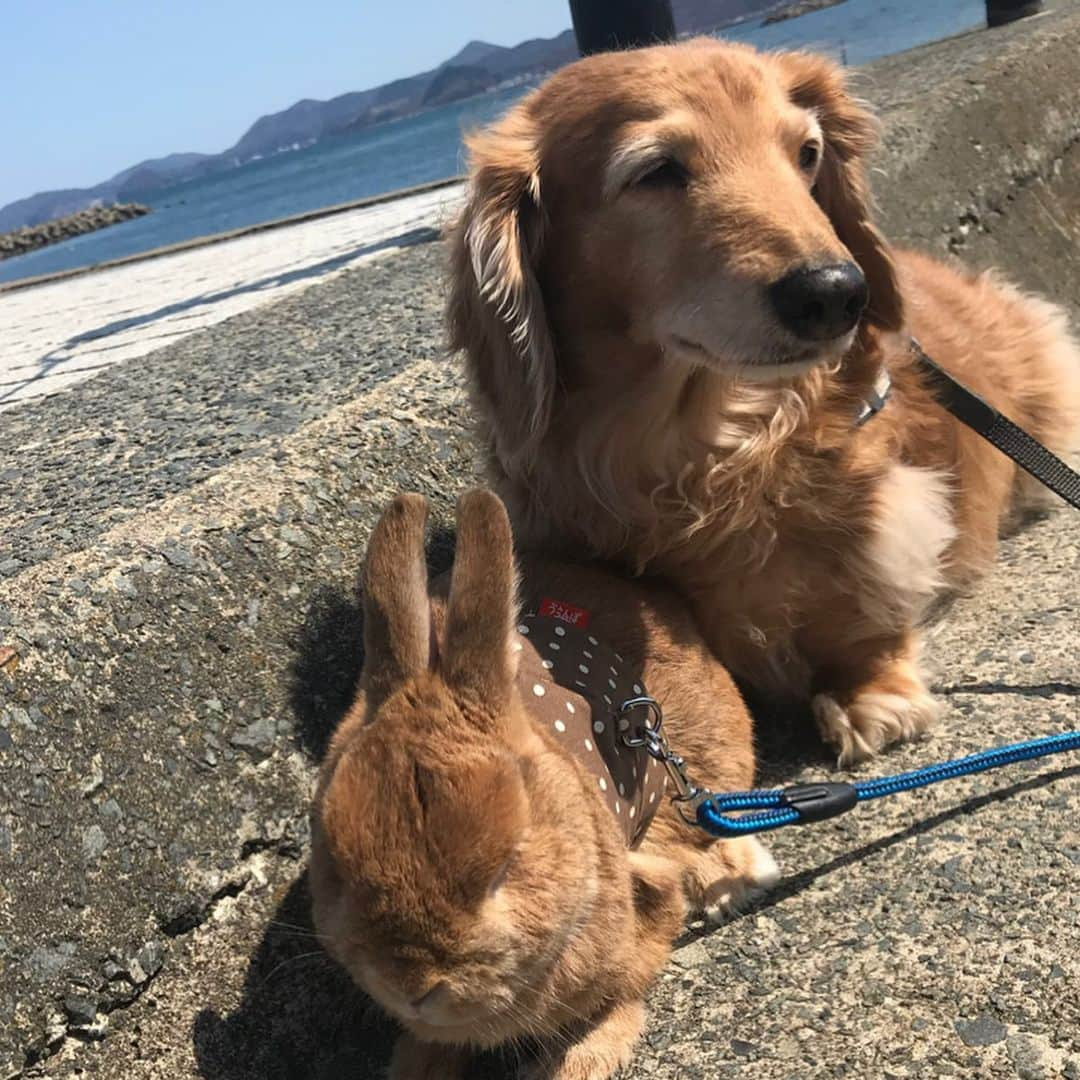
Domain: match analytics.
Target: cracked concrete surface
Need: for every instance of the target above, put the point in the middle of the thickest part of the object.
(178, 635)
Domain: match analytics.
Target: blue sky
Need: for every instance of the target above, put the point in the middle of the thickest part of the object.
(92, 86)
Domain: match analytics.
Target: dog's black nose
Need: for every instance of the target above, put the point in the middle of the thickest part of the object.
(822, 303)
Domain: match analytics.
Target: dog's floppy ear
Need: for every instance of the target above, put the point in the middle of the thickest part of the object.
(850, 133)
(496, 310)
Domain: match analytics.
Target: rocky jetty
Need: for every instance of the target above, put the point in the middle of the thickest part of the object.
(800, 7)
(32, 237)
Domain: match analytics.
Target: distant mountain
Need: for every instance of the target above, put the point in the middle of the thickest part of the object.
(478, 67)
(163, 166)
(476, 52)
(456, 82)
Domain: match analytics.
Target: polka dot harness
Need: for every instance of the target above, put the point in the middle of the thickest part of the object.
(575, 686)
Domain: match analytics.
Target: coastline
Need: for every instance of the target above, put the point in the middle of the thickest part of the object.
(62, 332)
(232, 234)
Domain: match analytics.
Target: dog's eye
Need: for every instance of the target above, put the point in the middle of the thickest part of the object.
(809, 156)
(664, 174)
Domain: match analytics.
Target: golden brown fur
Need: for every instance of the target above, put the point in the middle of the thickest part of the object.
(461, 852)
(641, 401)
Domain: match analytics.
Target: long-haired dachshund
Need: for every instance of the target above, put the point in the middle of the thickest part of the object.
(675, 307)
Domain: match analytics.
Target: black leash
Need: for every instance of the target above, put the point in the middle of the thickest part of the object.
(998, 430)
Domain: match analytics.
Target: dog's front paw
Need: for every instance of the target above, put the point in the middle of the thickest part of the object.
(738, 873)
(870, 720)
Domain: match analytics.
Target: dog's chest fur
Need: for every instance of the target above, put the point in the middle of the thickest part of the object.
(792, 532)
(767, 595)
(800, 549)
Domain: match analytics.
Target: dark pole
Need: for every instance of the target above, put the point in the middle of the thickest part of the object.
(1000, 12)
(600, 25)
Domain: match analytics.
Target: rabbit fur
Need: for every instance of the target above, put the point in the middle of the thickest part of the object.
(465, 869)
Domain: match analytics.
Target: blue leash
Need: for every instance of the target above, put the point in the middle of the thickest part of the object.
(760, 811)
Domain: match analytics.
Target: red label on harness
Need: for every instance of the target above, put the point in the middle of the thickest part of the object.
(556, 609)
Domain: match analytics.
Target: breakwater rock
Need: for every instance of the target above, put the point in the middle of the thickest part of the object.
(32, 237)
(800, 7)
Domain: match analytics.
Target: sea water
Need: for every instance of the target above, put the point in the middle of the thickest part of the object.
(428, 146)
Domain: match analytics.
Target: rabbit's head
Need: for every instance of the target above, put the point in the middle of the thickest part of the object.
(456, 854)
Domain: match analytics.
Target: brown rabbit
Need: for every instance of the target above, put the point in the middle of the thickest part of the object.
(468, 868)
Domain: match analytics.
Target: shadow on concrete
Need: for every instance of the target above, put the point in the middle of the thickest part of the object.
(301, 1017)
(51, 360)
(785, 738)
(797, 883)
(329, 654)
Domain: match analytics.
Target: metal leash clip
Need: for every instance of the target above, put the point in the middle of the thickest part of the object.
(650, 735)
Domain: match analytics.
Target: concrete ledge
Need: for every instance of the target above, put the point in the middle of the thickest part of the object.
(981, 158)
(185, 637)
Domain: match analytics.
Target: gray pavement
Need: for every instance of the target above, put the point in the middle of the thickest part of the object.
(159, 428)
(178, 635)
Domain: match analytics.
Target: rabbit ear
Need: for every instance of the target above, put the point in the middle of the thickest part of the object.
(480, 614)
(397, 616)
